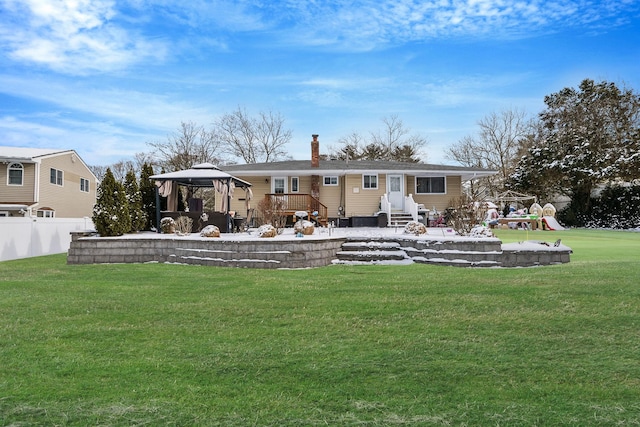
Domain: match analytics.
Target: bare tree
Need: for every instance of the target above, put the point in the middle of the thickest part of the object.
(120, 169)
(141, 159)
(393, 142)
(99, 171)
(189, 145)
(495, 146)
(395, 135)
(350, 147)
(253, 139)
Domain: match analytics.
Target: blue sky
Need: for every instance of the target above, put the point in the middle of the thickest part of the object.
(104, 77)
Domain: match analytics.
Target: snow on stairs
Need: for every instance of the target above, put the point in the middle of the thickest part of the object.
(371, 252)
(400, 219)
(407, 250)
(229, 258)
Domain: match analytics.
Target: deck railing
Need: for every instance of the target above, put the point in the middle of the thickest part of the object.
(297, 202)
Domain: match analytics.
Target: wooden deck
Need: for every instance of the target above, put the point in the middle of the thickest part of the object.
(297, 202)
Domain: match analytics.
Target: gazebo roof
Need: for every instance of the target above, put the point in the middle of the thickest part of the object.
(202, 175)
(512, 196)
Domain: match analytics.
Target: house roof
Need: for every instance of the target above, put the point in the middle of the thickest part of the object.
(342, 167)
(34, 155)
(28, 154)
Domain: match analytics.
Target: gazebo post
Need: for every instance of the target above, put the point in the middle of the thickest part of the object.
(158, 209)
(229, 219)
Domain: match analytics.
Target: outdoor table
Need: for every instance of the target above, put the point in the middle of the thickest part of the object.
(533, 222)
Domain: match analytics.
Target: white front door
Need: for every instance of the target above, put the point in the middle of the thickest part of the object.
(395, 191)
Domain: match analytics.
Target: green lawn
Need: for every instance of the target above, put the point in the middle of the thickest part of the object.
(341, 345)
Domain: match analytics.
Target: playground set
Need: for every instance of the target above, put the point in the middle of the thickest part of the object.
(536, 217)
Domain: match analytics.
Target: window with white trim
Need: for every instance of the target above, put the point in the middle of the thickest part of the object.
(55, 176)
(279, 185)
(431, 185)
(295, 184)
(370, 182)
(4, 214)
(330, 180)
(46, 214)
(84, 185)
(15, 174)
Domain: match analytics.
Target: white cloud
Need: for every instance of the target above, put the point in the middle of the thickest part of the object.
(135, 108)
(72, 36)
(368, 24)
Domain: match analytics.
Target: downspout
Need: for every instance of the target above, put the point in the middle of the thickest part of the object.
(36, 184)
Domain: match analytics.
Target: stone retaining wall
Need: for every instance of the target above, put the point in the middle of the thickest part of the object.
(264, 253)
(304, 252)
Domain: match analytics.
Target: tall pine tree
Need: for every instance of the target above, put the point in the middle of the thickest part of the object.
(134, 198)
(148, 196)
(111, 211)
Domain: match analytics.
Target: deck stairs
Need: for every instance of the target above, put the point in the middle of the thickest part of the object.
(400, 219)
(400, 250)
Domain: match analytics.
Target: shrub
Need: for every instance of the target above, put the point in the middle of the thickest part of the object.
(111, 211)
(183, 225)
(148, 196)
(134, 199)
(616, 207)
(271, 210)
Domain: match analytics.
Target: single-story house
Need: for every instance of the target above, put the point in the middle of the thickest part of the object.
(340, 190)
(45, 183)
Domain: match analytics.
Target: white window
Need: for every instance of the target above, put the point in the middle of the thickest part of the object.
(46, 214)
(4, 214)
(55, 177)
(15, 174)
(295, 184)
(430, 185)
(84, 185)
(370, 182)
(279, 185)
(330, 180)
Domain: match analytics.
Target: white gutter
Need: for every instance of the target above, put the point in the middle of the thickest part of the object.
(36, 184)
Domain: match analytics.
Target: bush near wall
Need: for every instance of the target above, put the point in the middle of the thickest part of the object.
(616, 207)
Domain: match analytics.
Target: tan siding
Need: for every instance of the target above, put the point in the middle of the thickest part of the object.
(259, 188)
(361, 201)
(67, 200)
(304, 183)
(441, 202)
(18, 193)
(330, 196)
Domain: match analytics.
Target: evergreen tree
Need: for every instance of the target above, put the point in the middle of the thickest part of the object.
(134, 199)
(587, 137)
(148, 196)
(111, 211)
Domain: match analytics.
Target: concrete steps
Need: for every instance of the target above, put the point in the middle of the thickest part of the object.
(230, 258)
(371, 252)
(452, 252)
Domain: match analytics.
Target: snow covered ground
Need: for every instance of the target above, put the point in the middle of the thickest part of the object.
(288, 234)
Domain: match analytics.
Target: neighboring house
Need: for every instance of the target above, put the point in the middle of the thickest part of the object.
(340, 189)
(45, 183)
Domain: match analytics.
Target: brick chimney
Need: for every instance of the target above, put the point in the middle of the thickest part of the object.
(315, 163)
(315, 152)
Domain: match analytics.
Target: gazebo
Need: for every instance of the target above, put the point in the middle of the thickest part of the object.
(514, 196)
(202, 175)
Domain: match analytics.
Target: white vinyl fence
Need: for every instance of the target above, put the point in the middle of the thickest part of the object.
(29, 237)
